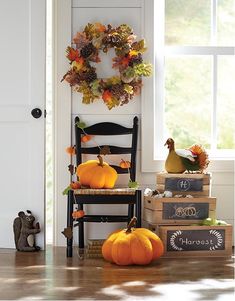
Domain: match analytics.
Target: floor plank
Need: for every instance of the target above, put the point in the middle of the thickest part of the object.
(51, 276)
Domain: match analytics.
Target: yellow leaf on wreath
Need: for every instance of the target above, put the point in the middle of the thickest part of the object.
(113, 80)
(128, 89)
(133, 53)
(113, 102)
(77, 65)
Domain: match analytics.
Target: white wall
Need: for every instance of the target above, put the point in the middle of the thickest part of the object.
(115, 12)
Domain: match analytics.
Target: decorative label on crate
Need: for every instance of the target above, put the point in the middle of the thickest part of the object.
(182, 211)
(183, 184)
(196, 240)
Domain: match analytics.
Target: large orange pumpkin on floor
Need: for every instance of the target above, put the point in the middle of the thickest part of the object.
(96, 174)
(132, 246)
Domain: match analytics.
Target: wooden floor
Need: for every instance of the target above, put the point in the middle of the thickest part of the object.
(51, 276)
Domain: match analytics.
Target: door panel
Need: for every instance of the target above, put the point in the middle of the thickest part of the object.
(14, 51)
(22, 88)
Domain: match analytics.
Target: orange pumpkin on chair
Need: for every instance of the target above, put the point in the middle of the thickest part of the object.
(96, 174)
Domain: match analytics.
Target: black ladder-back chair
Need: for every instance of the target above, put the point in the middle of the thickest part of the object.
(132, 198)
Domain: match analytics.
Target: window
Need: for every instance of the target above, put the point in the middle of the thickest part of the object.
(195, 75)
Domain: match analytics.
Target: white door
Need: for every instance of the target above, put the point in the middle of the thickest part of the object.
(22, 89)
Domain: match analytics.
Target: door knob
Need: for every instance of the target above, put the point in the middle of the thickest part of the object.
(36, 113)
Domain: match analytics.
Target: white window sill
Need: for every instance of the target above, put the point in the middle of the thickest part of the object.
(216, 165)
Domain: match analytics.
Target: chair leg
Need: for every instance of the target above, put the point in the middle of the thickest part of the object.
(138, 208)
(80, 230)
(130, 212)
(69, 249)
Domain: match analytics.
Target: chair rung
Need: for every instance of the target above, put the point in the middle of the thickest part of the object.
(103, 218)
(105, 199)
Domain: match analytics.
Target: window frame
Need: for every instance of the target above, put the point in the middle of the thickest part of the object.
(153, 151)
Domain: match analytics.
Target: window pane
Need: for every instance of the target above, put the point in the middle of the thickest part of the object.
(226, 22)
(187, 22)
(226, 102)
(188, 100)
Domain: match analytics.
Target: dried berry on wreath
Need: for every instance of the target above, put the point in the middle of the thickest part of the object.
(84, 53)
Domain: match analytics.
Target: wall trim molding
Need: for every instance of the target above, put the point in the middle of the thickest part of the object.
(62, 114)
(106, 3)
(216, 166)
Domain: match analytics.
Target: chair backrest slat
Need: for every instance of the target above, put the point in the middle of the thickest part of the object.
(115, 150)
(109, 129)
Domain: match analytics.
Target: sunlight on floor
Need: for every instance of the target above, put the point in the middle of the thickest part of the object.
(187, 290)
(10, 280)
(134, 283)
(66, 289)
(72, 268)
(36, 281)
(32, 298)
(33, 267)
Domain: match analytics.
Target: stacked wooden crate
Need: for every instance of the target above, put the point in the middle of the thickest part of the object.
(177, 219)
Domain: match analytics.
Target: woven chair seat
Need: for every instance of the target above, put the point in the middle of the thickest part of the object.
(114, 191)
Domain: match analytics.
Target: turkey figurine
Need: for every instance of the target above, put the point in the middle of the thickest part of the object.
(193, 159)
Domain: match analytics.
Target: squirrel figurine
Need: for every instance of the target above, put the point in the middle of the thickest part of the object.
(24, 232)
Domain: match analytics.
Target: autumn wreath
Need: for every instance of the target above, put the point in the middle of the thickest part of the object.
(84, 54)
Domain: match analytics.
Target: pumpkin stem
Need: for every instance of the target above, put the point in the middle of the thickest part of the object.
(131, 224)
(101, 161)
